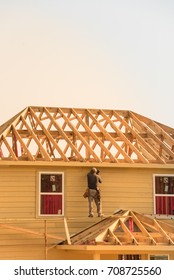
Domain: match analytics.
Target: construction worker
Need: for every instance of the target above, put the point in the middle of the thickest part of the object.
(94, 195)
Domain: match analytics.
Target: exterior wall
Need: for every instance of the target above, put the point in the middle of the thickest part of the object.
(122, 188)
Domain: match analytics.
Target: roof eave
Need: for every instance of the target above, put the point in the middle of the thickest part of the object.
(86, 164)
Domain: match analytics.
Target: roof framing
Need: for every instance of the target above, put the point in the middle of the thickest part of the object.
(126, 228)
(85, 135)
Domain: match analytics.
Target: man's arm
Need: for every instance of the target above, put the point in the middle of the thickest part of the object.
(99, 179)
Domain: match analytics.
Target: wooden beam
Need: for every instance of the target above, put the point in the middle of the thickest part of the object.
(160, 229)
(45, 154)
(51, 139)
(27, 231)
(160, 133)
(71, 145)
(142, 142)
(158, 128)
(124, 138)
(124, 227)
(117, 249)
(22, 143)
(93, 136)
(148, 147)
(79, 136)
(102, 234)
(167, 227)
(67, 232)
(11, 152)
(94, 229)
(6, 128)
(109, 138)
(142, 228)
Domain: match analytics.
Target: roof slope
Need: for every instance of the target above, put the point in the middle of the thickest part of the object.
(85, 135)
(125, 227)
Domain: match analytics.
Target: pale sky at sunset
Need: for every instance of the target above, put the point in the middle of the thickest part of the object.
(108, 54)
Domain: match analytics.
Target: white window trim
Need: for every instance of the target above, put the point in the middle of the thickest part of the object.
(154, 194)
(39, 194)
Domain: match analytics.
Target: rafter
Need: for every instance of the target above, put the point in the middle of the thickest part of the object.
(40, 147)
(142, 142)
(109, 138)
(11, 152)
(64, 136)
(85, 135)
(154, 137)
(115, 230)
(93, 136)
(22, 143)
(124, 138)
(79, 136)
(51, 139)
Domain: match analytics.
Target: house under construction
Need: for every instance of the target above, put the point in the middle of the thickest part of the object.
(45, 154)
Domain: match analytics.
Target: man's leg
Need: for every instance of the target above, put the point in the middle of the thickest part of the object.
(98, 205)
(90, 200)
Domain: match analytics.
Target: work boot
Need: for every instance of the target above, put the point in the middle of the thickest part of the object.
(91, 215)
(100, 215)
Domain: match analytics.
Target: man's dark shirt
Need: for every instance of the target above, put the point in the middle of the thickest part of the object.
(92, 180)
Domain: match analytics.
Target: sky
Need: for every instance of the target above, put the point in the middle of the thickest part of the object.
(103, 54)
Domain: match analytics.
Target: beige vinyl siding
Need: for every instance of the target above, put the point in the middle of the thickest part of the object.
(18, 202)
(128, 189)
(125, 188)
(17, 193)
(121, 188)
(22, 252)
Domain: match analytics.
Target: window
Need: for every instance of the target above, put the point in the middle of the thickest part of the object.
(164, 194)
(158, 257)
(51, 194)
(129, 257)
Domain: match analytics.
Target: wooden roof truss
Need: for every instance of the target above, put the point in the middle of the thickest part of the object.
(126, 227)
(85, 135)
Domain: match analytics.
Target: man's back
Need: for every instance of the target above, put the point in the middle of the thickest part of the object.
(94, 191)
(92, 180)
